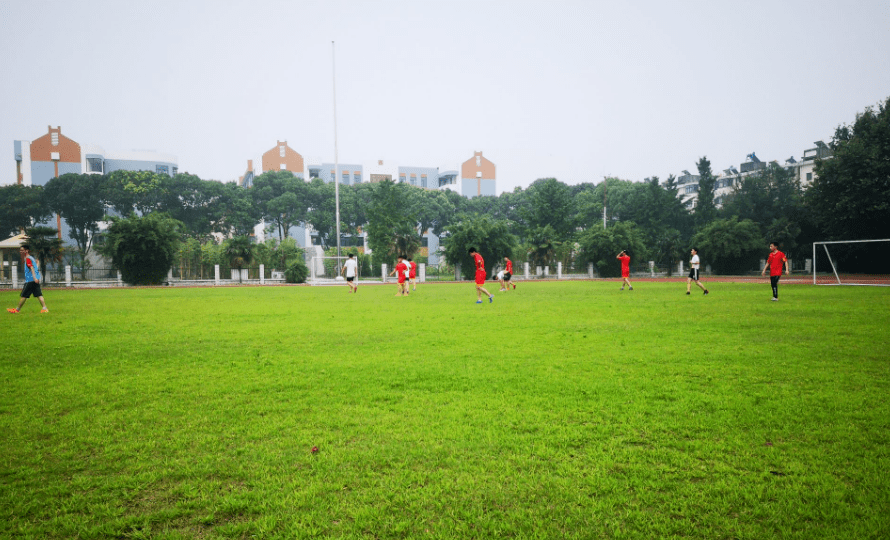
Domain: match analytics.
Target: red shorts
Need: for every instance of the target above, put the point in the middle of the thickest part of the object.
(401, 278)
(480, 277)
(625, 273)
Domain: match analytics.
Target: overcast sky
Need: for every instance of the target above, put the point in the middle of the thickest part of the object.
(568, 89)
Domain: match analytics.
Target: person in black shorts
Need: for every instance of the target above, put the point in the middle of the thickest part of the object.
(694, 263)
(32, 281)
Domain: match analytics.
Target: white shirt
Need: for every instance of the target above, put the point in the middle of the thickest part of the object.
(500, 275)
(694, 262)
(350, 267)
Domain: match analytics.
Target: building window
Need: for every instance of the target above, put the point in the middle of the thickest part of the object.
(478, 161)
(175, 171)
(423, 180)
(281, 150)
(162, 169)
(345, 177)
(357, 178)
(402, 178)
(313, 173)
(94, 165)
(413, 179)
(55, 138)
(283, 166)
(809, 177)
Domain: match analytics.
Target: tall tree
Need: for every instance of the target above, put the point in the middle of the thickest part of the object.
(21, 207)
(850, 195)
(705, 209)
(77, 198)
(601, 246)
(142, 248)
(282, 198)
(730, 246)
(390, 227)
(549, 202)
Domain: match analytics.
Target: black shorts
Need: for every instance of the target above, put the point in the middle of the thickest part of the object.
(507, 276)
(693, 274)
(30, 288)
(350, 278)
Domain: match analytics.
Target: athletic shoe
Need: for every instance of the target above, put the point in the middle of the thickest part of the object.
(706, 292)
(44, 310)
(774, 299)
(514, 287)
(622, 288)
(503, 290)
(12, 310)
(631, 289)
(491, 299)
(478, 301)
(687, 292)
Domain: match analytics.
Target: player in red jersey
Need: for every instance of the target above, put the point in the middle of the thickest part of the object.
(625, 269)
(401, 271)
(508, 273)
(412, 273)
(774, 263)
(480, 277)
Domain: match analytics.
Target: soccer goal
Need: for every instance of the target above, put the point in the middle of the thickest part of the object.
(851, 262)
(327, 268)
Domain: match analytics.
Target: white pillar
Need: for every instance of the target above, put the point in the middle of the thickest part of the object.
(559, 270)
(538, 271)
(68, 275)
(422, 276)
(216, 274)
(652, 268)
(120, 279)
(15, 275)
(590, 270)
(383, 271)
(681, 268)
(170, 276)
(262, 274)
(525, 269)
(547, 271)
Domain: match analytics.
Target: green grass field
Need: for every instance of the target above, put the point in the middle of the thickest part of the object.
(562, 410)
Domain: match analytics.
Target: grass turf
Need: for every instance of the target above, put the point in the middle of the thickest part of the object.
(562, 410)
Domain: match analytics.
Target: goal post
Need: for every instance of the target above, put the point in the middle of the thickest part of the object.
(328, 268)
(850, 262)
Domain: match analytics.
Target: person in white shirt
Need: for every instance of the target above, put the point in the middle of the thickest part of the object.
(693, 272)
(350, 267)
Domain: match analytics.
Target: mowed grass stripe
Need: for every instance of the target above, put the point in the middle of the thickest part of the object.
(560, 410)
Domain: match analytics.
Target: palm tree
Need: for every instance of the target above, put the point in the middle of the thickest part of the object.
(239, 251)
(45, 245)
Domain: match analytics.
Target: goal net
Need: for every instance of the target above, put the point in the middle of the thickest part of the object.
(851, 262)
(328, 268)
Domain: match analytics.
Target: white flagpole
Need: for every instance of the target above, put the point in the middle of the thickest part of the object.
(336, 157)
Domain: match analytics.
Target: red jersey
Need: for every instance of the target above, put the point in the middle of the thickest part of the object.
(625, 266)
(412, 271)
(480, 263)
(776, 260)
(509, 268)
(400, 271)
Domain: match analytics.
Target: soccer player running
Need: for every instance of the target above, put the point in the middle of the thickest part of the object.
(625, 269)
(480, 277)
(774, 263)
(401, 271)
(694, 264)
(501, 279)
(350, 269)
(508, 274)
(32, 281)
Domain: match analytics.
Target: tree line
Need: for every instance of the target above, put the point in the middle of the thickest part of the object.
(546, 223)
